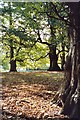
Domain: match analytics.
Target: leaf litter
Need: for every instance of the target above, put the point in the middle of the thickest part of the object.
(29, 95)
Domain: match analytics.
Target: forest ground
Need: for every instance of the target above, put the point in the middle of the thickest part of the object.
(31, 95)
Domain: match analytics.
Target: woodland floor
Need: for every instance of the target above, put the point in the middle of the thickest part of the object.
(29, 96)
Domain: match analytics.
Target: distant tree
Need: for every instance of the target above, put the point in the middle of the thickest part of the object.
(54, 26)
(14, 34)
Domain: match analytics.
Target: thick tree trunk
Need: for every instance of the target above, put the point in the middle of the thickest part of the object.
(63, 57)
(53, 59)
(52, 47)
(71, 94)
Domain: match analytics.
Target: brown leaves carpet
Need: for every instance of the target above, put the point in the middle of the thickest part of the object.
(28, 96)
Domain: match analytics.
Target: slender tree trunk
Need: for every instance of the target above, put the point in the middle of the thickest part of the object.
(53, 59)
(13, 66)
(71, 94)
(12, 61)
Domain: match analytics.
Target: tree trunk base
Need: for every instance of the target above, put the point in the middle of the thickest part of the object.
(13, 66)
(57, 68)
(72, 107)
(13, 71)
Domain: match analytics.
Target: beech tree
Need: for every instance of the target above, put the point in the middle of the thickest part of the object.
(71, 94)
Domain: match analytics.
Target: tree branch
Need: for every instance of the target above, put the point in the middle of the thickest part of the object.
(40, 40)
(18, 50)
(60, 17)
(40, 57)
(59, 51)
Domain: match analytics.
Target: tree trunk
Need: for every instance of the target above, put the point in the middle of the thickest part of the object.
(12, 61)
(63, 57)
(53, 59)
(13, 66)
(71, 94)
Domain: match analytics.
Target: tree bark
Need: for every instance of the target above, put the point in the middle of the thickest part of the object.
(71, 94)
(63, 57)
(12, 61)
(53, 59)
(13, 66)
(52, 47)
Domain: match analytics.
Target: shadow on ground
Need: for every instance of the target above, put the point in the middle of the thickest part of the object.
(9, 116)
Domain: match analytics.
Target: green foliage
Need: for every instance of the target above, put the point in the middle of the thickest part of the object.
(20, 24)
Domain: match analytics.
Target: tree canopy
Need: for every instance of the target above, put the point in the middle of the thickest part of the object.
(29, 28)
